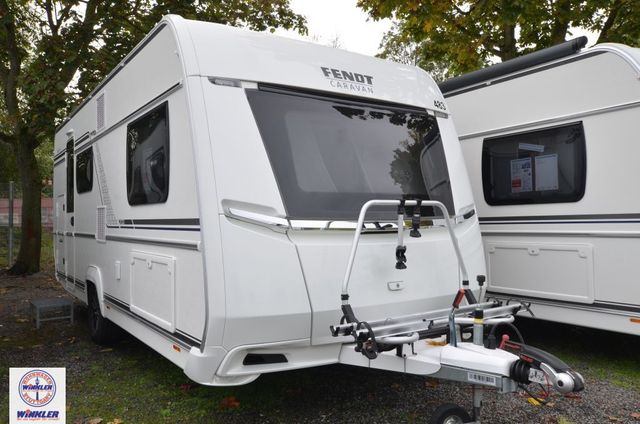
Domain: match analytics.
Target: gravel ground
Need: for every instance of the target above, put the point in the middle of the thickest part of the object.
(331, 394)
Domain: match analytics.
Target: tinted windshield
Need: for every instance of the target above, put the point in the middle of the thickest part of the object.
(330, 156)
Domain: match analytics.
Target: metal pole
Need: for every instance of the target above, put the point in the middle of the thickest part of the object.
(10, 223)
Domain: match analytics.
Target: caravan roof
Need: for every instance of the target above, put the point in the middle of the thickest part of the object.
(585, 88)
(221, 51)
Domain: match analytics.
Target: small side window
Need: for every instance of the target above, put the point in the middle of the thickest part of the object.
(70, 166)
(148, 157)
(541, 166)
(84, 171)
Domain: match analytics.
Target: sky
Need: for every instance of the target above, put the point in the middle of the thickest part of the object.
(355, 31)
(328, 19)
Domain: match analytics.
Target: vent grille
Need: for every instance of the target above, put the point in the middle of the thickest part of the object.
(100, 112)
(101, 223)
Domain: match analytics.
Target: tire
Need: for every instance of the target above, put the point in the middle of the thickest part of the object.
(101, 330)
(450, 413)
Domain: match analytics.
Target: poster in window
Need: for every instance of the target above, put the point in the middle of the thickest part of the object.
(547, 172)
(521, 177)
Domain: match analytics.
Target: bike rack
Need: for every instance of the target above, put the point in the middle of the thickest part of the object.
(466, 362)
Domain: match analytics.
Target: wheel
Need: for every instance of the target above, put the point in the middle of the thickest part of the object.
(450, 413)
(102, 330)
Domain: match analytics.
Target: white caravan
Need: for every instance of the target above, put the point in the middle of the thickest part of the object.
(207, 195)
(551, 145)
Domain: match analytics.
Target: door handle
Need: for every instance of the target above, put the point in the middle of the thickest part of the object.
(71, 221)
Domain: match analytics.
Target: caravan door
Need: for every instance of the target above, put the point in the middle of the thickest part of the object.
(68, 212)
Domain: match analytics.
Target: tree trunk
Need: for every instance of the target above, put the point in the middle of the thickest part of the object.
(28, 261)
(562, 14)
(508, 49)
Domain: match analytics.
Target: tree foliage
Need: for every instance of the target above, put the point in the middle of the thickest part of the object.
(53, 53)
(457, 36)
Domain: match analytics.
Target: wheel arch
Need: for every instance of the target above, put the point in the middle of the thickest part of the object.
(94, 276)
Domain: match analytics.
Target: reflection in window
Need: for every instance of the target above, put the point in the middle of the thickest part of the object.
(148, 157)
(84, 171)
(330, 156)
(541, 166)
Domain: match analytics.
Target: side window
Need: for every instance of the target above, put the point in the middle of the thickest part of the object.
(84, 171)
(434, 170)
(148, 157)
(541, 166)
(70, 180)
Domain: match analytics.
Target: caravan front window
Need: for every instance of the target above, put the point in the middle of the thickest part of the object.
(331, 155)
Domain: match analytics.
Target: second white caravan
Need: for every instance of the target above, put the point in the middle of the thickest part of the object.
(551, 145)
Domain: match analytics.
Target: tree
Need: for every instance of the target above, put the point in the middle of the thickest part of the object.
(52, 54)
(458, 36)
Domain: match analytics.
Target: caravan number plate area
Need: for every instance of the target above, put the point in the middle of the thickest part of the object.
(479, 378)
(537, 376)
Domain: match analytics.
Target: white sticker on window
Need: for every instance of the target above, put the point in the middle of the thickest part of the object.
(487, 380)
(521, 178)
(547, 172)
(531, 147)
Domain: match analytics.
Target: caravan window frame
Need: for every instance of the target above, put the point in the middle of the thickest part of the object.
(70, 176)
(534, 148)
(140, 195)
(84, 180)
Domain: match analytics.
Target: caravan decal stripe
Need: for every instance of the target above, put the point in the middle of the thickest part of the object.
(136, 227)
(117, 302)
(564, 219)
(183, 339)
(82, 138)
(599, 306)
(174, 221)
(179, 244)
(61, 154)
(195, 245)
(78, 283)
(188, 337)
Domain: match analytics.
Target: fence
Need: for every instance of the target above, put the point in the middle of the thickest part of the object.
(11, 222)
